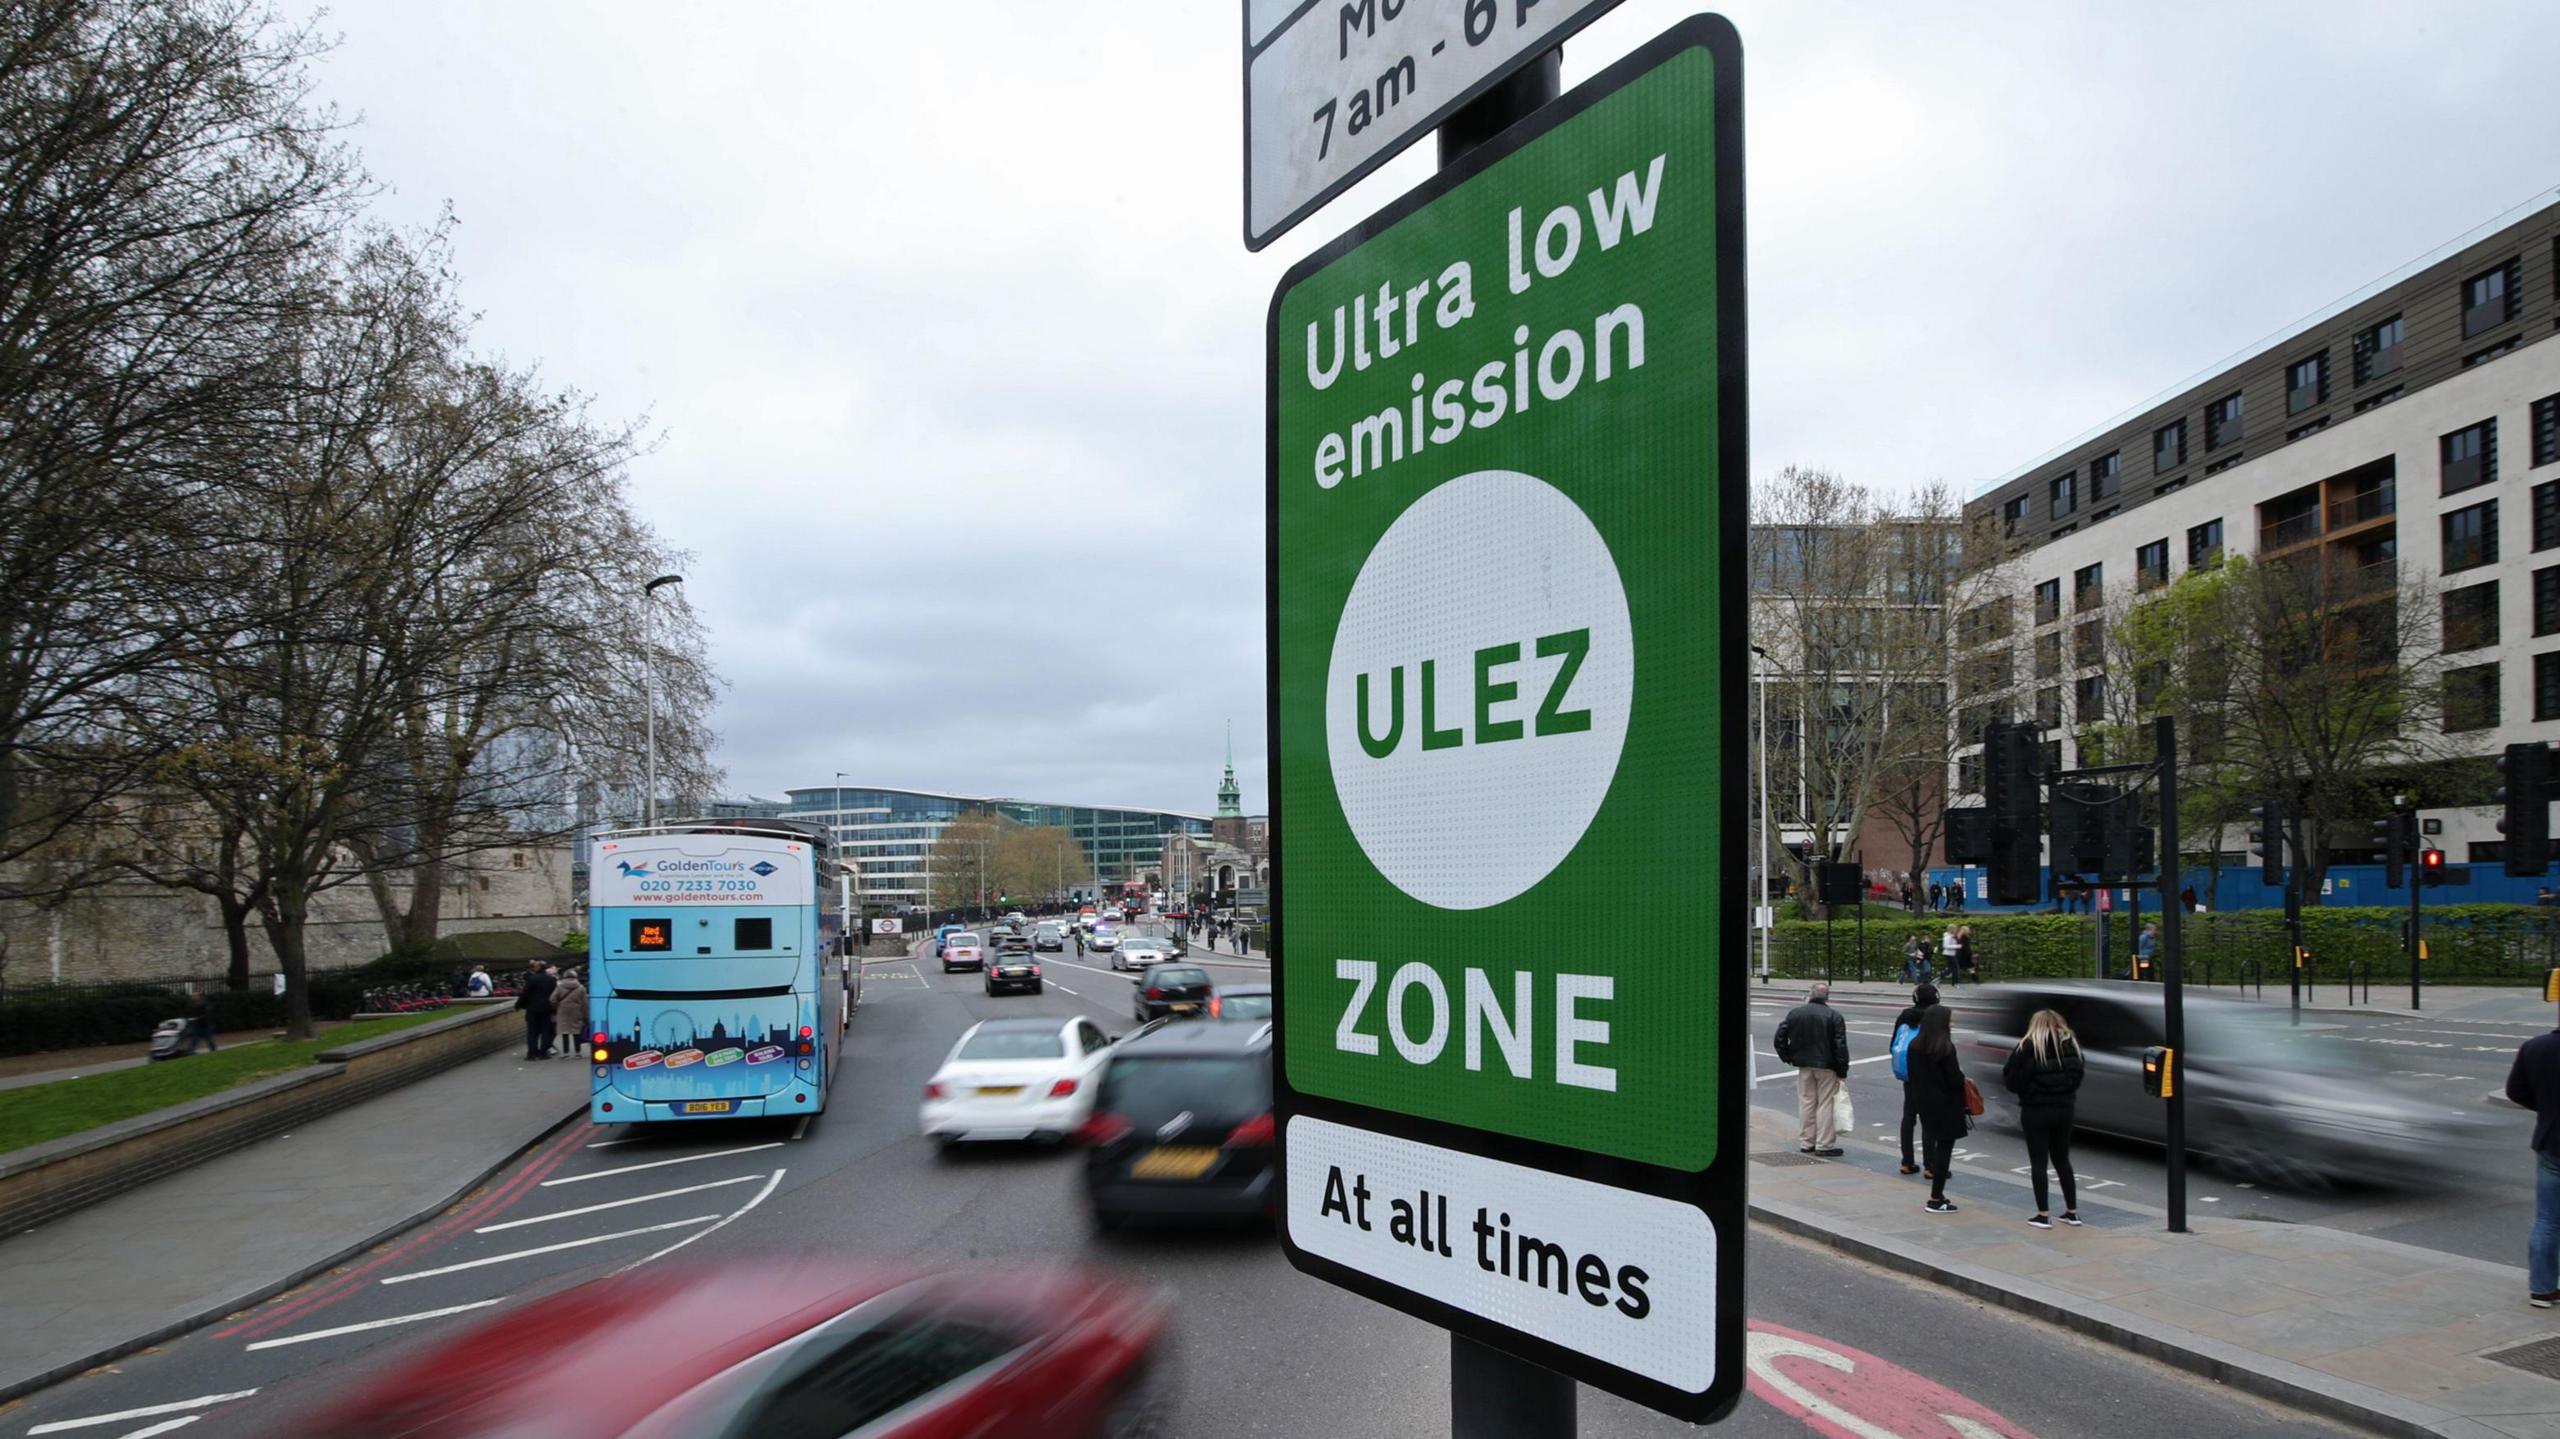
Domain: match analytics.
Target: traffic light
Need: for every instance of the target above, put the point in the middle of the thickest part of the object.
(1968, 836)
(2271, 842)
(2431, 867)
(2014, 788)
(2390, 834)
(2078, 813)
(2526, 793)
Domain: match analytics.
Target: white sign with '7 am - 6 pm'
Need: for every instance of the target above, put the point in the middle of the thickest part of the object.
(1625, 1277)
(1335, 88)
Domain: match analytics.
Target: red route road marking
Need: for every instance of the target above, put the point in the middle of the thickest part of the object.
(1846, 1393)
(339, 1287)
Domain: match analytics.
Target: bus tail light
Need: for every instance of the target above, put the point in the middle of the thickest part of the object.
(806, 1031)
(600, 1037)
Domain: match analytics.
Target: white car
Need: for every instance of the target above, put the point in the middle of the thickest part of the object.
(1137, 954)
(1016, 1079)
(1113, 915)
(1105, 939)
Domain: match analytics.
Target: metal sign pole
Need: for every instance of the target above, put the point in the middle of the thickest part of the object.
(2417, 884)
(2172, 969)
(1491, 1394)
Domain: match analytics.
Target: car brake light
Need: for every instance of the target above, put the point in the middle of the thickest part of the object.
(1062, 1088)
(1154, 993)
(1255, 1133)
(936, 1091)
(1101, 1129)
(1214, 1006)
(1035, 971)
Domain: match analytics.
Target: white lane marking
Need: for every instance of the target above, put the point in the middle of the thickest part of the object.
(512, 1255)
(609, 1143)
(1070, 991)
(761, 1196)
(616, 1204)
(663, 1163)
(1761, 1355)
(145, 1412)
(417, 1318)
(167, 1426)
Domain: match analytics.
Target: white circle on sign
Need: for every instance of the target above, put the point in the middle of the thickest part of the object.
(1466, 817)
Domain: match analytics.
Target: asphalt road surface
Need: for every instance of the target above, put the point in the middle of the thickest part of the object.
(2470, 1199)
(1263, 1350)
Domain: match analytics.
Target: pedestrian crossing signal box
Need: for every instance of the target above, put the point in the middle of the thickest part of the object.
(2159, 1072)
(2551, 987)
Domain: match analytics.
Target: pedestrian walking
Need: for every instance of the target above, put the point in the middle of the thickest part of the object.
(1964, 956)
(478, 985)
(1923, 999)
(1938, 1090)
(200, 1023)
(1955, 896)
(1937, 897)
(2146, 950)
(1915, 960)
(569, 1010)
(2534, 1083)
(2044, 1071)
(535, 1001)
(1947, 952)
(1815, 1039)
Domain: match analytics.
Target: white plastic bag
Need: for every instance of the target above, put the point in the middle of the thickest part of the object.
(1843, 1117)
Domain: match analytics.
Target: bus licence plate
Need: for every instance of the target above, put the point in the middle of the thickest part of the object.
(709, 1106)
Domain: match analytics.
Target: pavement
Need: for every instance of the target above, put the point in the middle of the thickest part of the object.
(2447, 1002)
(1836, 1346)
(164, 1258)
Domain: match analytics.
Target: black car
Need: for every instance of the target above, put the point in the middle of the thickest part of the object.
(1013, 967)
(1182, 1126)
(1049, 934)
(1172, 990)
(1241, 1003)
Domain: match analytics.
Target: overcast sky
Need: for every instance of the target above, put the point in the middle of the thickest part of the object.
(942, 315)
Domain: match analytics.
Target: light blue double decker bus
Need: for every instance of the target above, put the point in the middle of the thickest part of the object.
(718, 978)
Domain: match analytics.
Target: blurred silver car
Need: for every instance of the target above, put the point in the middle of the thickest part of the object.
(2270, 1102)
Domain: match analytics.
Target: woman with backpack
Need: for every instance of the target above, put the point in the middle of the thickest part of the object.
(1943, 1096)
(1906, 1032)
(2044, 1071)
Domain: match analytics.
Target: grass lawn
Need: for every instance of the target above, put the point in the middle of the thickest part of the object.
(39, 1112)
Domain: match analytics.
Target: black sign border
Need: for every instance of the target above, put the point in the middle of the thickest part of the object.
(1325, 197)
(1720, 1191)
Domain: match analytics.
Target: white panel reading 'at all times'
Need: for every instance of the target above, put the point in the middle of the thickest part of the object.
(1336, 87)
(1625, 1277)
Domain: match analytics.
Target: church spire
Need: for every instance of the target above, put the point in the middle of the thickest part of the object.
(1230, 794)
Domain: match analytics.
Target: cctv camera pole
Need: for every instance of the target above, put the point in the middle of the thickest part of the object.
(1491, 1394)
(2173, 1011)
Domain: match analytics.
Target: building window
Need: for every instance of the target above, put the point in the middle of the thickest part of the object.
(1969, 774)
(2151, 565)
(2306, 383)
(2090, 698)
(2088, 587)
(2546, 601)
(2546, 686)
(2307, 428)
(2471, 537)
(2168, 447)
(2065, 492)
(2108, 513)
(2204, 544)
(2470, 698)
(2049, 707)
(2060, 530)
(2106, 476)
(2378, 350)
(2546, 430)
(2222, 420)
(2049, 655)
(2049, 756)
(2013, 513)
(2471, 617)
(2546, 514)
(2470, 456)
(2486, 353)
(2088, 644)
(2049, 602)
(2489, 298)
(2381, 398)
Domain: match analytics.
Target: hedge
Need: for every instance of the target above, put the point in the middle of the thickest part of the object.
(43, 1019)
(2467, 944)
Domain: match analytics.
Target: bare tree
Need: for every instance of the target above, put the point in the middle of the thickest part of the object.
(963, 859)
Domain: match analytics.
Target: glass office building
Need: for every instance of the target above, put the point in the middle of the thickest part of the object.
(889, 834)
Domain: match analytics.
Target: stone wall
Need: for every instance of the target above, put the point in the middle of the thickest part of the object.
(145, 932)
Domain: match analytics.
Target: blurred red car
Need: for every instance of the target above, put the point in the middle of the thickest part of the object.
(787, 1352)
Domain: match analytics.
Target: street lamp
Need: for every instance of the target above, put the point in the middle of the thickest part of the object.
(651, 588)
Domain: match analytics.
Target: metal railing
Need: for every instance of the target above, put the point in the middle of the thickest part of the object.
(2359, 970)
(2291, 530)
(2364, 505)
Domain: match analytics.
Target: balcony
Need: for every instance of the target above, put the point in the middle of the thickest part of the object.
(2363, 506)
(2289, 530)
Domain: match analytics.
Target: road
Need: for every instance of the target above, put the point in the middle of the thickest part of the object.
(1264, 1351)
(2475, 1200)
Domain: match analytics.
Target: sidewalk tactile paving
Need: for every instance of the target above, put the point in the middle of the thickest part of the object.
(2541, 1357)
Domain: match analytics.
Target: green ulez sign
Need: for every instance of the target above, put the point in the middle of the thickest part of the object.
(1499, 655)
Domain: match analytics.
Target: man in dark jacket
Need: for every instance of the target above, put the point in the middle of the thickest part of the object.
(535, 1000)
(1815, 1039)
(2534, 1083)
(1921, 999)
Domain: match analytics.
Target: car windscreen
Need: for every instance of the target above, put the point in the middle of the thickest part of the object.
(1177, 976)
(1013, 1044)
(966, 941)
(1244, 1006)
(1150, 1091)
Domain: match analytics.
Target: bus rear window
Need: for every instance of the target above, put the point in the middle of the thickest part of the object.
(653, 936)
(754, 934)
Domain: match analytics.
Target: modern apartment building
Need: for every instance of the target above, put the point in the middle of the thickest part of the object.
(889, 833)
(2405, 442)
